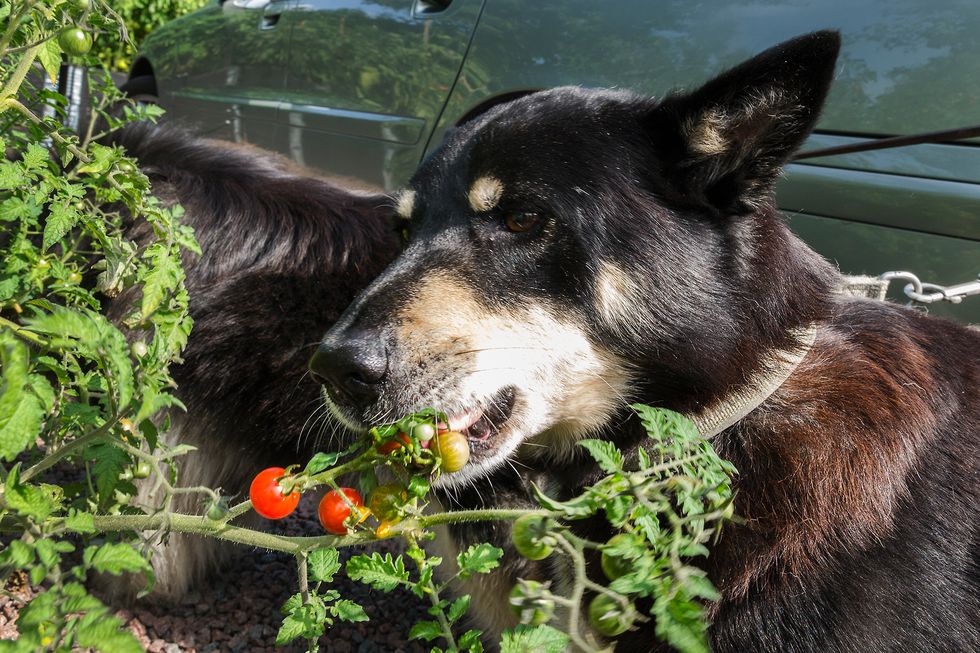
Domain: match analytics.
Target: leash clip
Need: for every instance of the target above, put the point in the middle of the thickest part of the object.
(929, 293)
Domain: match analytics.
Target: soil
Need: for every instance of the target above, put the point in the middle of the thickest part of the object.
(238, 610)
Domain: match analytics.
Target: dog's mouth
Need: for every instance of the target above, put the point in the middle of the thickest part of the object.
(482, 425)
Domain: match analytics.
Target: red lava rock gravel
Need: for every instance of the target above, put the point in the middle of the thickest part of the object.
(238, 610)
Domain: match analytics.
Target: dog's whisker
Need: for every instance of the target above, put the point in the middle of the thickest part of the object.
(463, 352)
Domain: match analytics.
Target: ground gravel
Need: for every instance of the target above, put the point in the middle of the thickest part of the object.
(238, 610)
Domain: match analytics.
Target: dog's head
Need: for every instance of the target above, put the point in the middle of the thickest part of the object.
(567, 250)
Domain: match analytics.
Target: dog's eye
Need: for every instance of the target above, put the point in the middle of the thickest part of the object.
(521, 221)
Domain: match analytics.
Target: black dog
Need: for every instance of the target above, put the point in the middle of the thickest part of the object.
(577, 249)
(283, 253)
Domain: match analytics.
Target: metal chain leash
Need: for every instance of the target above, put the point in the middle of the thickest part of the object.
(929, 293)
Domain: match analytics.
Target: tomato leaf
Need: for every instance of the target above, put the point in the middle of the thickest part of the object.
(21, 411)
(383, 573)
(18, 554)
(478, 559)
(320, 462)
(35, 501)
(50, 57)
(540, 639)
(346, 610)
(61, 219)
(427, 630)
(323, 564)
(109, 463)
(100, 630)
(458, 608)
(76, 599)
(115, 558)
(306, 621)
(605, 453)
(470, 640)
(580, 506)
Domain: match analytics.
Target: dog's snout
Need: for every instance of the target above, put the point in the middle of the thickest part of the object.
(352, 369)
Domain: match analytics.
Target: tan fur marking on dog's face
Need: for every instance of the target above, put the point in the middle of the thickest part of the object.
(485, 194)
(619, 296)
(406, 203)
(566, 387)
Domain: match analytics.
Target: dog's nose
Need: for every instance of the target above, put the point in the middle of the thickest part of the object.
(352, 370)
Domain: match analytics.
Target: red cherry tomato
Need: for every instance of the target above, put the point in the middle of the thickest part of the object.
(334, 510)
(267, 497)
(393, 444)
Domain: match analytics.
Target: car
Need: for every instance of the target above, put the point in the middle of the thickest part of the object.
(362, 90)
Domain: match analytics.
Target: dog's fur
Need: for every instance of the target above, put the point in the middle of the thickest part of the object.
(283, 253)
(656, 269)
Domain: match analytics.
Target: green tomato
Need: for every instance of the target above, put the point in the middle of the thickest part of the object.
(529, 604)
(81, 5)
(142, 469)
(531, 538)
(75, 41)
(453, 450)
(138, 348)
(609, 617)
(424, 432)
(386, 501)
(218, 510)
(615, 566)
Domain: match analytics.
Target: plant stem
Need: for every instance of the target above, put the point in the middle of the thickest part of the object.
(578, 562)
(11, 103)
(201, 525)
(78, 444)
(20, 331)
(447, 628)
(17, 78)
(304, 580)
(465, 516)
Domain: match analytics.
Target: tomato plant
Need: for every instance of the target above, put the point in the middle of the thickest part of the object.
(267, 497)
(334, 509)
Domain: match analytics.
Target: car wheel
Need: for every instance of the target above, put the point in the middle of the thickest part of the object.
(142, 88)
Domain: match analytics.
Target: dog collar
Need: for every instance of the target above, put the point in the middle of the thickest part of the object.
(774, 371)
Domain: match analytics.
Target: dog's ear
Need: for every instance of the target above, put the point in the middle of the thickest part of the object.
(723, 145)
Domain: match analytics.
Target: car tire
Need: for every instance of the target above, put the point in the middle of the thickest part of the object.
(142, 88)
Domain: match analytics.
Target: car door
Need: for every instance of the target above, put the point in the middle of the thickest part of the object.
(236, 92)
(368, 80)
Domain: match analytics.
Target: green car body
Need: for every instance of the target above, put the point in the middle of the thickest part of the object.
(363, 89)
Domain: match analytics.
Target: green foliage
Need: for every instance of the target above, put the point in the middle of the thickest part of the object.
(71, 390)
(115, 48)
(540, 639)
